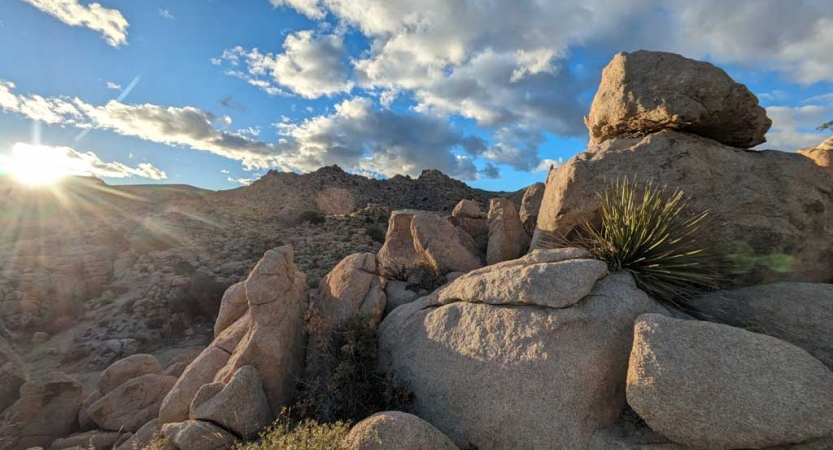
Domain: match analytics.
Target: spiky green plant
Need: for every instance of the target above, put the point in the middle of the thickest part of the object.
(649, 231)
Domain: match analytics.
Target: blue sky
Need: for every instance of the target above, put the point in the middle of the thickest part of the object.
(490, 93)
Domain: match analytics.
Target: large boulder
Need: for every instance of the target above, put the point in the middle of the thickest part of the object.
(774, 209)
(269, 336)
(198, 435)
(468, 209)
(713, 386)
(239, 406)
(142, 438)
(531, 205)
(443, 246)
(398, 252)
(126, 369)
(644, 92)
(232, 307)
(394, 430)
(799, 313)
(132, 404)
(556, 365)
(12, 375)
(353, 288)
(822, 154)
(507, 237)
(46, 410)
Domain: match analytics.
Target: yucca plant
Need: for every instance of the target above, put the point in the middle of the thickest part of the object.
(649, 231)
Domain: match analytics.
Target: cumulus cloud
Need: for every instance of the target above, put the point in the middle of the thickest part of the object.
(109, 22)
(794, 127)
(68, 161)
(310, 66)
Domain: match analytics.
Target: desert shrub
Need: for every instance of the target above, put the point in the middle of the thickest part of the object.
(341, 381)
(376, 232)
(312, 217)
(423, 276)
(650, 232)
(285, 434)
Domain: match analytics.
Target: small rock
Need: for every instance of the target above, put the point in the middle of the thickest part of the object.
(197, 435)
(394, 430)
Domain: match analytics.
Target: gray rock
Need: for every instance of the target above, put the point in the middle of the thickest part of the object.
(12, 375)
(394, 430)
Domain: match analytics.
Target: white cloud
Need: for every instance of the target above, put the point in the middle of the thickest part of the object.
(68, 161)
(109, 22)
(310, 66)
(794, 127)
(241, 181)
(165, 14)
(114, 86)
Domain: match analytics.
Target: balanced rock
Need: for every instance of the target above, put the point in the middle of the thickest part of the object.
(12, 375)
(555, 366)
(799, 313)
(822, 155)
(132, 404)
(232, 307)
(46, 410)
(443, 246)
(644, 92)
(239, 406)
(774, 209)
(198, 435)
(394, 430)
(713, 386)
(531, 205)
(126, 369)
(507, 237)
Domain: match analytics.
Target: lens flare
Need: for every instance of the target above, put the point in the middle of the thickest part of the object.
(36, 165)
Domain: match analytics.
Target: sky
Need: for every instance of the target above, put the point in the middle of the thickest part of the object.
(214, 93)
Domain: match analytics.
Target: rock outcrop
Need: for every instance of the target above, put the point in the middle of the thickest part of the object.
(398, 252)
(443, 246)
(531, 205)
(713, 386)
(774, 210)
(91, 440)
(126, 369)
(12, 375)
(822, 154)
(232, 307)
(507, 237)
(799, 313)
(394, 430)
(353, 289)
(240, 406)
(557, 368)
(132, 404)
(645, 92)
(46, 411)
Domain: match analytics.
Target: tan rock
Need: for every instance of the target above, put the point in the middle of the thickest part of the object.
(46, 410)
(822, 155)
(442, 245)
(200, 372)
(398, 251)
(799, 313)
(507, 237)
(468, 209)
(395, 430)
(557, 373)
(239, 406)
(132, 404)
(91, 440)
(772, 208)
(197, 435)
(713, 386)
(126, 369)
(478, 229)
(85, 422)
(531, 205)
(336, 201)
(233, 306)
(353, 288)
(142, 438)
(12, 375)
(645, 92)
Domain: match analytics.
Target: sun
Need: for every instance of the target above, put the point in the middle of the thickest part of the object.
(36, 165)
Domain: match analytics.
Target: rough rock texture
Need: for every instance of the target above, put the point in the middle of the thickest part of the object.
(531, 206)
(47, 410)
(507, 237)
(126, 369)
(799, 313)
(85, 422)
(239, 406)
(557, 373)
(718, 387)
(91, 440)
(398, 294)
(822, 155)
(468, 209)
(270, 337)
(141, 438)
(336, 201)
(630, 438)
(12, 375)
(233, 306)
(132, 404)
(398, 250)
(644, 92)
(442, 245)
(394, 430)
(773, 208)
(197, 435)
(353, 288)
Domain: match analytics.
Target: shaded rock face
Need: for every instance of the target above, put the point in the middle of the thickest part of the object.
(232, 307)
(531, 205)
(775, 209)
(507, 237)
(12, 375)
(558, 373)
(468, 209)
(394, 430)
(269, 337)
(713, 386)
(443, 246)
(126, 369)
(822, 155)
(398, 250)
(197, 435)
(47, 410)
(353, 289)
(239, 406)
(644, 92)
(141, 438)
(132, 404)
(799, 313)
